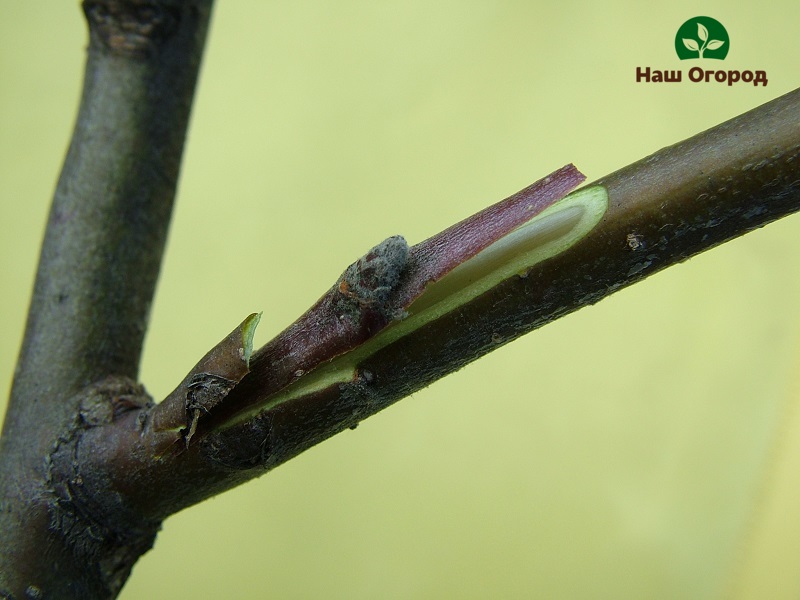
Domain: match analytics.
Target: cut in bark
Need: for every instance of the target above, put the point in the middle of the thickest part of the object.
(90, 465)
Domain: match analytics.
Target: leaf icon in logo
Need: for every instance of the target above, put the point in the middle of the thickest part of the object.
(699, 36)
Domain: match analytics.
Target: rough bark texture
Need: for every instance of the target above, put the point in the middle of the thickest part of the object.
(662, 210)
(97, 272)
(90, 466)
(678, 202)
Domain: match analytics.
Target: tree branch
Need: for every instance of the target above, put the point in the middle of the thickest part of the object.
(447, 304)
(663, 209)
(90, 466)
(100, 257)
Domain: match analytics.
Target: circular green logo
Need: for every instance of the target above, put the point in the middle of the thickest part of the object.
(702, 37)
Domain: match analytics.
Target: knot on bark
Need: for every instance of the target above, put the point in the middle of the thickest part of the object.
(204, 392)
(131, 27)
(92, 516)
(366, 286)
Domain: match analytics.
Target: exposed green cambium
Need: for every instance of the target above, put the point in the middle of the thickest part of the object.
(548, 234)
(248, 331)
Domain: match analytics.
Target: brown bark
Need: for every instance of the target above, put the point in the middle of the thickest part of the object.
(90, 466)
(97, 271)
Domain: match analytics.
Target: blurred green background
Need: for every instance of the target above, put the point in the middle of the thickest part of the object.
(644, 447)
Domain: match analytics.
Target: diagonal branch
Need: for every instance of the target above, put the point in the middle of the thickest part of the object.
(663, 209)
(89, 466)
(401, 318)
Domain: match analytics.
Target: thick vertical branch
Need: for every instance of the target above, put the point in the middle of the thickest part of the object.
(89, 466)
(99, 263)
